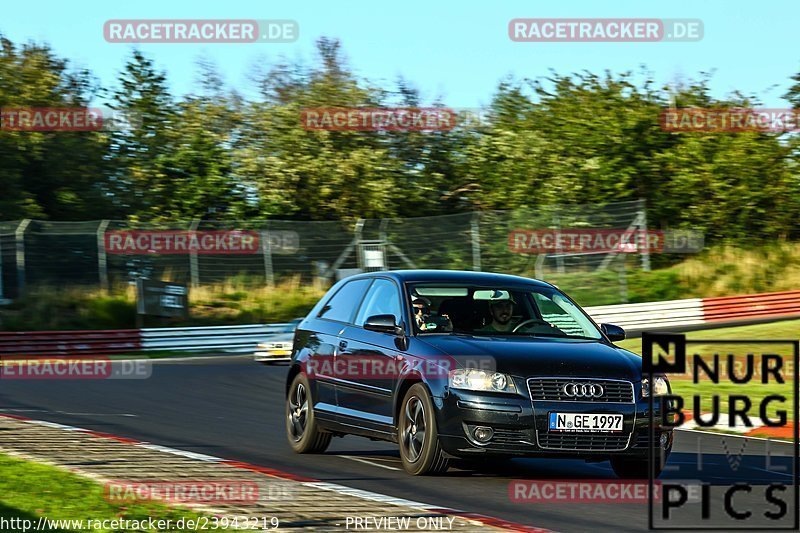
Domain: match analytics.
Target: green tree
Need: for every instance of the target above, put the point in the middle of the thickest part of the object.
(48, 174)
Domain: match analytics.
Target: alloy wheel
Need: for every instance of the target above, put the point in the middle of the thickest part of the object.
(298, 412)
(414, 428)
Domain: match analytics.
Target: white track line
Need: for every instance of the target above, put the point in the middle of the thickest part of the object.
(182, 453)
(333, 487)
(367, 495)
(367, 462)
(45, 411)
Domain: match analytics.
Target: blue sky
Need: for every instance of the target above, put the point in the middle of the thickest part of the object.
(455, 50)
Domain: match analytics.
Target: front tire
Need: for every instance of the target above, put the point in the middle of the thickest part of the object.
(302, 430)
(418, 436)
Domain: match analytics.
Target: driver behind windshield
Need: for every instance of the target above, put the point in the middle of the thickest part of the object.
(502, 319)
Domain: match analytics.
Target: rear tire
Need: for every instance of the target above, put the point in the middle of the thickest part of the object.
(417, 434)
(302, 430)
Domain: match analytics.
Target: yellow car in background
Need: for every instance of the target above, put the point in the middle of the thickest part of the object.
(278, 347)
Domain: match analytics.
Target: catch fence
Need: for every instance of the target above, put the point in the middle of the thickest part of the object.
(108, 253)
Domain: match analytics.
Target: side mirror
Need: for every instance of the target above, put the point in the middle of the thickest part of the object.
(614, 333)
(383, 324)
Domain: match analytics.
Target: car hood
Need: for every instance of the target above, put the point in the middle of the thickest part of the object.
(526, 356)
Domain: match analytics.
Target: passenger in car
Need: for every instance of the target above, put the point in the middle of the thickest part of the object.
(426, 320)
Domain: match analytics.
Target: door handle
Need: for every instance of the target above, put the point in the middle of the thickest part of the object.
(342, 345)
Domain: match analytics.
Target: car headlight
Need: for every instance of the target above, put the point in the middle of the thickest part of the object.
(660, 386)
(481, 380)
(273, 346)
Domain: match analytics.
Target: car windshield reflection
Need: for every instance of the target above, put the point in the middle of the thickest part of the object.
(491, 311)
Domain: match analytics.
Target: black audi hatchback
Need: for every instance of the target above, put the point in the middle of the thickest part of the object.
(469, 365)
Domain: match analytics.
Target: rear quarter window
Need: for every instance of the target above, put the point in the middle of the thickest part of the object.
(342, 306)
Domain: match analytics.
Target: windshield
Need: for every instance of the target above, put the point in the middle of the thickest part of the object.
(479, 310)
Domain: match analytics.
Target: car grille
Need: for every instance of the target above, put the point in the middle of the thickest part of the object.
(582, 441)
(509, 437)
(551, 389)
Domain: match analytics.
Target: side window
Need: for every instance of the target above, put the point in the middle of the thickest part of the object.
(562, 314)
(342, 306)
(383, 298)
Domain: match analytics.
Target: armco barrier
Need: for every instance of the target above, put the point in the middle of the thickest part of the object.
(637, 317)
(755, 306)
(222, 338)
(672, 314)
(105, 342)
(697, 312)
(97, 342)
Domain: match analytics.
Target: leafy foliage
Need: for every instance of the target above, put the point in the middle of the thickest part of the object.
(580, 138)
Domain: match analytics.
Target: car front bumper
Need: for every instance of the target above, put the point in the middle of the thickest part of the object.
(272, 355)
(520, 427)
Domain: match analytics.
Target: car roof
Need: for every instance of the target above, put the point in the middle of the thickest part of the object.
(455, 276)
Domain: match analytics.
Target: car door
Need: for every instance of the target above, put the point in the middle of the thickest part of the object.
(367, 362)
(332, 319)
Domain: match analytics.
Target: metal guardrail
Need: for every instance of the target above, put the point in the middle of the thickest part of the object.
(94, 342)
(695, 312)
(755, 306)
(224, 338)
(642, 316)
(673, 314)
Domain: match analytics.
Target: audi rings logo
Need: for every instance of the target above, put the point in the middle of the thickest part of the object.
(583, 390)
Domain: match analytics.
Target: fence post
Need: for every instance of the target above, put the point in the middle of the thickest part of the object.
(539, 266)
(102, 259)
(266, 250)
(2, 299)
(20, 242)
(641, 214)
(475, 234)
(559, 251)
(622, 275)
(194, 266)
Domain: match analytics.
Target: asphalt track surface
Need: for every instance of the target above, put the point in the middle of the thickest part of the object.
(232, 408)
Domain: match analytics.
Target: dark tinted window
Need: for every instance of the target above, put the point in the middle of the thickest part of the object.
(383, 298)
(343, 305)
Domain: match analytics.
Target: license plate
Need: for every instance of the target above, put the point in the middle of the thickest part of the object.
(588, 422)
(278, 353)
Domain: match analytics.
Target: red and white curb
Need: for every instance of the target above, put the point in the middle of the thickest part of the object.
(306, 481)
(722, 423)
(756, 429)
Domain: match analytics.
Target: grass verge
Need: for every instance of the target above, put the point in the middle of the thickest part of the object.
(76, 308)
(30, 490)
